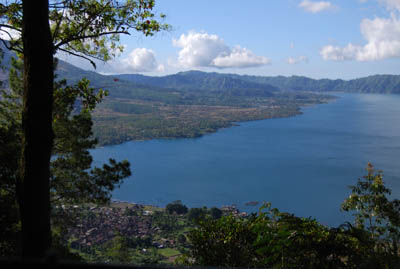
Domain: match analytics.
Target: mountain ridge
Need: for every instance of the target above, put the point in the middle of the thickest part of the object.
(244, 85)
(379, 83)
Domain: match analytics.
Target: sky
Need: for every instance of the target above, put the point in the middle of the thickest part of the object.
(333, 39)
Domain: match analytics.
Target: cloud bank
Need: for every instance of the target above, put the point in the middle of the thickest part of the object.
(382, 36)
(315, 7)
(391, 4)
(205, 50)
(140, 60)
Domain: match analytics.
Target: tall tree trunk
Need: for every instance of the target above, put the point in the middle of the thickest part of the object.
(37, 127)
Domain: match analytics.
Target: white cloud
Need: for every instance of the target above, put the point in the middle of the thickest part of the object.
(9, 34)
(391, 4)
(383, 41)
(300, 59)
(315, 7)
(139, 60)
(205, 50)
(240, 57)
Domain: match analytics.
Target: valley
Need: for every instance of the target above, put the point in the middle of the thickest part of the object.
(184, 108)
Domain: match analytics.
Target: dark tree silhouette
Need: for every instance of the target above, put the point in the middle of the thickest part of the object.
(33, 188)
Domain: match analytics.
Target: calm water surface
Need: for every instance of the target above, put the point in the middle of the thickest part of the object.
(302, 165)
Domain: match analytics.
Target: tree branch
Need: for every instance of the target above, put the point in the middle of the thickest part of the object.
(58, 25)
(81, 56)
(8, 45)
(10, 27)
(64, 42)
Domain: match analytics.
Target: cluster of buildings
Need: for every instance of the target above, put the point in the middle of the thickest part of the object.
(232, 210)
(97, 225)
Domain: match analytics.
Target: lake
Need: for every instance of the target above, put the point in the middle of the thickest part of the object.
(302, 164)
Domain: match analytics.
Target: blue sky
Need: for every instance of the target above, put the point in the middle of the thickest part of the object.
(319, 39)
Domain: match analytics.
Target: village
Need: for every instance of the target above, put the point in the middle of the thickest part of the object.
(147, 228)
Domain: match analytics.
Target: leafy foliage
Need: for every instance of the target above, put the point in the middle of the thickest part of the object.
(274, 239)
(374, 212)
(73, 179)
(86, 28)
(215, 212)
(176, 207)
(225, 242)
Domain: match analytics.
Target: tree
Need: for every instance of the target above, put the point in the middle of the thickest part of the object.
(72, 178)
(176, 207)
(182, 239)
(224, 242)
(196, 214)
(368, 201)
(272, 239)
(10, 144)
(118, 249)
(88, 29)
(374, 212)
(34, 183)
(215, 213)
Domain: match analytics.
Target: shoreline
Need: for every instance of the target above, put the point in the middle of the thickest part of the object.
(230, 124)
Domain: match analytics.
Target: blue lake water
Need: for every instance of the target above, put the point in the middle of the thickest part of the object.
(302, 164)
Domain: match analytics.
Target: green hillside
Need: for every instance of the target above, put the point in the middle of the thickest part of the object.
(184, 105)
(193, 103)
(202, 80)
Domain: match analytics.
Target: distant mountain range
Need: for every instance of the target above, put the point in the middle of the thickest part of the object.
(190, 104)
(202, 80)
(239, 85)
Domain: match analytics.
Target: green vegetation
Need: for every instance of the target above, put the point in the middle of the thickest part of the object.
(88, 29)
(177, 121)
(136, 234)
(274, 239)
(46, 171)
(72, 177)
(176, 207)
(129, 233)
(185, 105)
(197, 80)
(191, 104)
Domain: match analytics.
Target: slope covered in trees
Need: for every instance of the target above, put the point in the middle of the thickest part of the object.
(85, 29)
(203, 80)
(190, 104)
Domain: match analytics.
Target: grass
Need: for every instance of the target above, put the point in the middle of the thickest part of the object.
(169, 252)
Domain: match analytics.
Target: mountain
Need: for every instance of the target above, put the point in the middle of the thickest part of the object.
(373, 84)
(202, 80)
(216, 83)
(212, 82)
(117, 88)
(193, 103)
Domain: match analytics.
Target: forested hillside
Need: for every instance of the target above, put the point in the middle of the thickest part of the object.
(193, 103)
(203, 80)
(187, 104)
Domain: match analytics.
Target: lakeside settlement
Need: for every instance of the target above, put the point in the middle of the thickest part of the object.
(148, 232)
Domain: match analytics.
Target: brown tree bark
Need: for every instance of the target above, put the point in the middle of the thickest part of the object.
(37, 129)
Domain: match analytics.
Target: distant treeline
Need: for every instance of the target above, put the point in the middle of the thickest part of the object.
(184, 105)
(202, 80)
